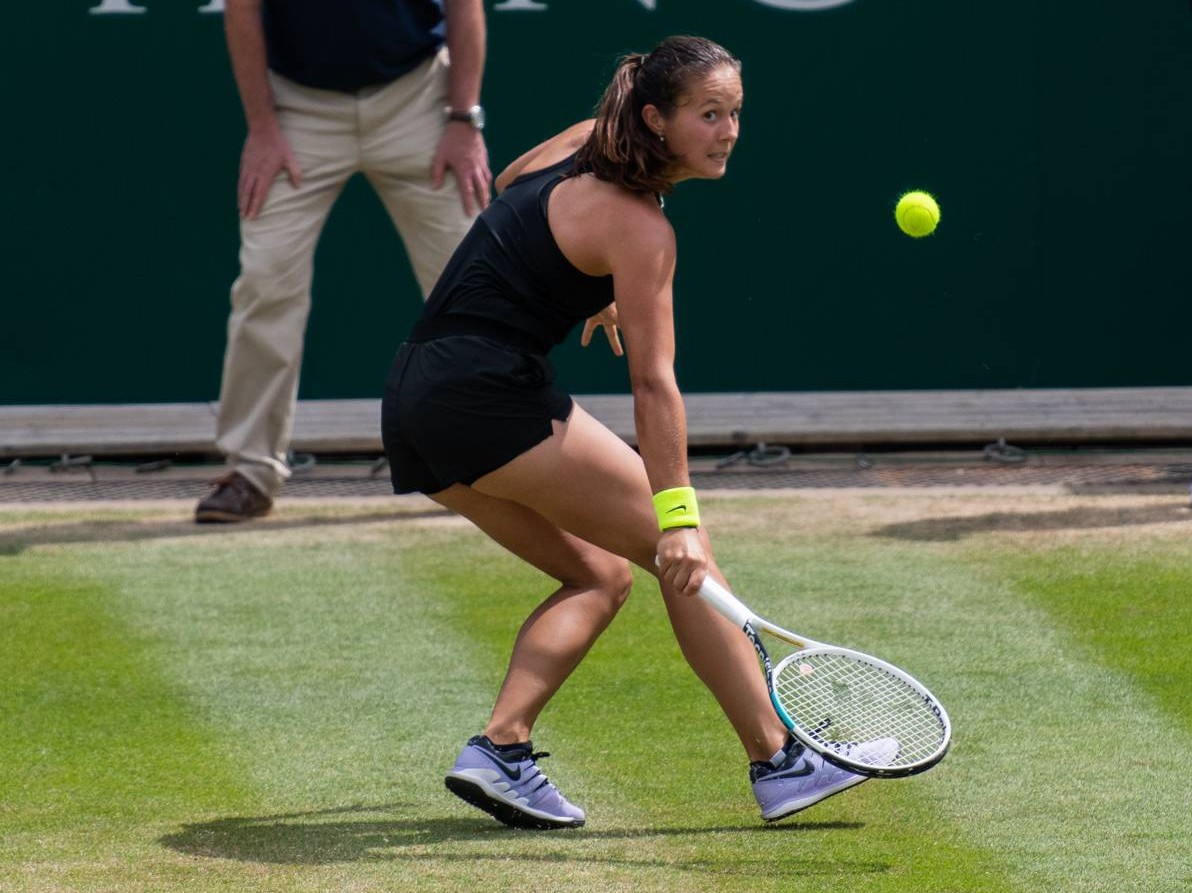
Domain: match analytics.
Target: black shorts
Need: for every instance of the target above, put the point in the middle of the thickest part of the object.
(458, 407)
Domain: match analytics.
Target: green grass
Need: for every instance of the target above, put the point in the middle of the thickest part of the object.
(272, 707)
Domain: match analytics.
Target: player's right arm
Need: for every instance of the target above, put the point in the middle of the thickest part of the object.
(640, 246)
(266, 150)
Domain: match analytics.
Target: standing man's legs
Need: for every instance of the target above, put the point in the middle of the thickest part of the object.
(271, 302)
(403, 123)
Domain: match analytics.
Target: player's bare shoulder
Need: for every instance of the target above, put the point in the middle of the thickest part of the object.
(597, 224)
(633, 221)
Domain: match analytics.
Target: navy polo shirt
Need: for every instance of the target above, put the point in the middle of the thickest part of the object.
(349, 44)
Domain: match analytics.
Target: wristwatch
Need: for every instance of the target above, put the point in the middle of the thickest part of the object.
(473, 116)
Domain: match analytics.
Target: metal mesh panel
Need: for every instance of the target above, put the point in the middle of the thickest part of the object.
(83, 483)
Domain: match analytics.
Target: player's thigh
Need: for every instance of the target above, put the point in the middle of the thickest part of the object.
(557, 553)
(587, 481)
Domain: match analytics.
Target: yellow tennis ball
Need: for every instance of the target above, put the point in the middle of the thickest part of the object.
(917, 214)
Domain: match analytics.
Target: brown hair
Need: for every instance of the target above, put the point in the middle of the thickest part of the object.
(621, 148)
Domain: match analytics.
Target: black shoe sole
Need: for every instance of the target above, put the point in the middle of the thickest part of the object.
(502, 812)
(214, 516)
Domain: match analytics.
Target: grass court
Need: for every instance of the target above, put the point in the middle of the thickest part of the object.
(272, 707)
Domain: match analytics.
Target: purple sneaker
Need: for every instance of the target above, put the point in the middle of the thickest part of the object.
(797, 777)
(508, 785)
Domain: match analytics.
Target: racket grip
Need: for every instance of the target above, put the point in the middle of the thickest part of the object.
(724, 602)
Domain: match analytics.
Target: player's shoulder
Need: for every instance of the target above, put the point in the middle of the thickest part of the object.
(626, 228)
(636, 216)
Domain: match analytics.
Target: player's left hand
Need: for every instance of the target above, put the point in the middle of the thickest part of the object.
(607, 318)
(462, 149)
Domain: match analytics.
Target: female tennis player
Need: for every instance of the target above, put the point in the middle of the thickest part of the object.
(471, 418)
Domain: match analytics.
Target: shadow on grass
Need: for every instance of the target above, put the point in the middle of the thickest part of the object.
(16, 541)
(324, 837)
(956, 528)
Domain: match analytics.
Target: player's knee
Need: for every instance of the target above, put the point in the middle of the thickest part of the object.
(616, 582)
(609, 578)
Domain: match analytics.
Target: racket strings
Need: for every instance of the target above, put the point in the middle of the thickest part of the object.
(842, 701)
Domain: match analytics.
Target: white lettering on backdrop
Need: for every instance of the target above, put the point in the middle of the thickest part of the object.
(803, 5)
(127, 7)
(116, 7)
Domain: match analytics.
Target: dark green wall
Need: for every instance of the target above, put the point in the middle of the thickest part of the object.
(1056, 136)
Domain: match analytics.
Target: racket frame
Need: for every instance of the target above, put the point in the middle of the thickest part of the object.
(739, 614)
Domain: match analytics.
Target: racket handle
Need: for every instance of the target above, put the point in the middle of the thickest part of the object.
(724, 602)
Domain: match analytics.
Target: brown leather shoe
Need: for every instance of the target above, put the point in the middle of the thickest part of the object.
(233, 499)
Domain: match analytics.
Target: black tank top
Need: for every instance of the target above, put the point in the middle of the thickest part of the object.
(508, 279)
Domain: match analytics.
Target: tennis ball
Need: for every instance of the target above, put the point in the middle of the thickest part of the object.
(917, 214)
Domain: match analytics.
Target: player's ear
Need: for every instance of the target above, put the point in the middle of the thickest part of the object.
(654, 119)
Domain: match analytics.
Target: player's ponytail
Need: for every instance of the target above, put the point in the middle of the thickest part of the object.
(622, 149)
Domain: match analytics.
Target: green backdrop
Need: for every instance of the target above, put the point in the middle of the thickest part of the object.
(1055, 133)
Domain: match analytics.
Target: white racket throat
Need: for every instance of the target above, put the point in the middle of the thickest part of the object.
(736, 611)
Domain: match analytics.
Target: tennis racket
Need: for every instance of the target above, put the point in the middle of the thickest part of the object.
(858, 712)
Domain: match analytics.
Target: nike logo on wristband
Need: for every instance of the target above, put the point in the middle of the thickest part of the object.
(677, 508)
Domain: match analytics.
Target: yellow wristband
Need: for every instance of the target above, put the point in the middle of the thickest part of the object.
(676, 507)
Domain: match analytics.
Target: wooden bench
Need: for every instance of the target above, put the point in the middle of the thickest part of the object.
(851, 419)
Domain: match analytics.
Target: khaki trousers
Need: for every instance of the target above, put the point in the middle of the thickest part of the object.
(389, 134)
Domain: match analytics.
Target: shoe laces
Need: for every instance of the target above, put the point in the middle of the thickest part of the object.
(533, 756)
(537, 774)
(527, 753)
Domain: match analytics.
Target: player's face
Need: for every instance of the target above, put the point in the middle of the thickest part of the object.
(703, 130)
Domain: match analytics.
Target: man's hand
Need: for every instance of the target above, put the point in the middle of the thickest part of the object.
(265, 153)
(608, 319)
(462, 149)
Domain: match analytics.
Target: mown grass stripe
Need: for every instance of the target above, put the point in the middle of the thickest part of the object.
(1131, 608)
(330, 666)
(94, 737)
